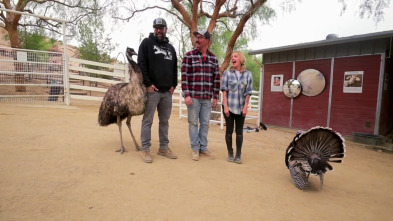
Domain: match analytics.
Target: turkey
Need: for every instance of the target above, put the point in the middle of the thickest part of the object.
(124, 100)
(310, 153)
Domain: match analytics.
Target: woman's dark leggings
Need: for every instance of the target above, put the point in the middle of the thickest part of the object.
(231, 121)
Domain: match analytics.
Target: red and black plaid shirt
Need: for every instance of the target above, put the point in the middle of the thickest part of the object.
(200, 77)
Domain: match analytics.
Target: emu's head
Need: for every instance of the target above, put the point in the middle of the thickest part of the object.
(129, 53)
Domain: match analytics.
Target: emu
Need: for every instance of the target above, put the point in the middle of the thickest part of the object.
(124, 100)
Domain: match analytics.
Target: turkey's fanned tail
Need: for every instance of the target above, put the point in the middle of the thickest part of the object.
(317, 146)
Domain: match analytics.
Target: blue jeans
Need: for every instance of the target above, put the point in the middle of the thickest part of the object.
(163, 103)
(199, 109)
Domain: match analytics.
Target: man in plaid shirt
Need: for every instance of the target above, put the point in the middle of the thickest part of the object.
(200, 86)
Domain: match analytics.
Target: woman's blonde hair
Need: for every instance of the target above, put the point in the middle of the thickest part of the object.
(242, 60)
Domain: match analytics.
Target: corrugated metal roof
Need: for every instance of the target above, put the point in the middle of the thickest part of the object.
(354, 38)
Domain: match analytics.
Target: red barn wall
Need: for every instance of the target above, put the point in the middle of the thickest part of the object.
(276, 106)
(355, 112)
(312, 111)
(350, 112)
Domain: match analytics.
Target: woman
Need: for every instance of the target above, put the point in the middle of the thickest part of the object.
(236, 87)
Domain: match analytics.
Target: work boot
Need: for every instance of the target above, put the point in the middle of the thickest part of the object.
(239, 143)
(208, 154)
(167, 153)
(195, 155)
(146, 157)
(228, 140)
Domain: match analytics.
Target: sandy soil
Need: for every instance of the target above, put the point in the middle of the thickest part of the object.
(56, 163)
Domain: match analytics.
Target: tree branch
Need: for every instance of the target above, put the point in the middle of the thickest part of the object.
(238, 31)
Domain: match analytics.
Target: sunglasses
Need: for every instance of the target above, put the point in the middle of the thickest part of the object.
(200, 37)
(160, 27)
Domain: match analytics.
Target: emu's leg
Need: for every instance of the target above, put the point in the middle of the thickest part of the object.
(137, 147)
(122, 149)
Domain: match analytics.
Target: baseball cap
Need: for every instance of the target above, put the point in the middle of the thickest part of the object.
(159, 22)
(203, 32)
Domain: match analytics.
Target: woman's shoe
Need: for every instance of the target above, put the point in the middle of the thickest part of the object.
(230, 158)
(238, 160)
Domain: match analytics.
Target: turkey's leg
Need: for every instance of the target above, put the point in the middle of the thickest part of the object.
(122, 149)
(137, 147)
(321, 179)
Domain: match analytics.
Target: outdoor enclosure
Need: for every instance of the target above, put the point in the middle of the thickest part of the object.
(40, 77)
(31, 76)
(28, 76)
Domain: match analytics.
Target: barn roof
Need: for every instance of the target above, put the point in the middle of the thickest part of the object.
(366, 44)
(327, 42)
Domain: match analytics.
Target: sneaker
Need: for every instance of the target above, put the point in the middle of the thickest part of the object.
(195, 155)
(208, 154)
(147, 157)
(238, 160)
(167, 153)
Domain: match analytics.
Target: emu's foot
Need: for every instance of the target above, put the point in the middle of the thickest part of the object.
(137, 147)
(121, 150)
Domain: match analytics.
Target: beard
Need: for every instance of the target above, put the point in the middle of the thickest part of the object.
(160, 39)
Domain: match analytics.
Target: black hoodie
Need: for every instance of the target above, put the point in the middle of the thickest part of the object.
(158, 62)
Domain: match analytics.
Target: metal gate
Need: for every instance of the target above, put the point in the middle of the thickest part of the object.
(30, 76)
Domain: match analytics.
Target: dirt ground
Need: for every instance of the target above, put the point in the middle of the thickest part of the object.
(56, 163)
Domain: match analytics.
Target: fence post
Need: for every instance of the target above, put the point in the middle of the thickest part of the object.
(180, 104)
(21, 57)
(66, 79)
(222, 115)
(260, 95)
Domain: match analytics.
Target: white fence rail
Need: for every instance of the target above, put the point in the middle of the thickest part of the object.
(253, 108)
(90, 80)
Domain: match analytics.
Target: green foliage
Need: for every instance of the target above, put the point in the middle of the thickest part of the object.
(221, 36)
(36, 41)
(93, 45)
(89, 51)
(255, 69)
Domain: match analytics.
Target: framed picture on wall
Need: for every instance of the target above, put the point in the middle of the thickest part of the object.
(353, 82)
(277, 82)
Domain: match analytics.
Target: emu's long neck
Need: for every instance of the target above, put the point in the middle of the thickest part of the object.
(135, 73)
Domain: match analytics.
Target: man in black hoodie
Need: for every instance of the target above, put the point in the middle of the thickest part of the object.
(158, 62)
